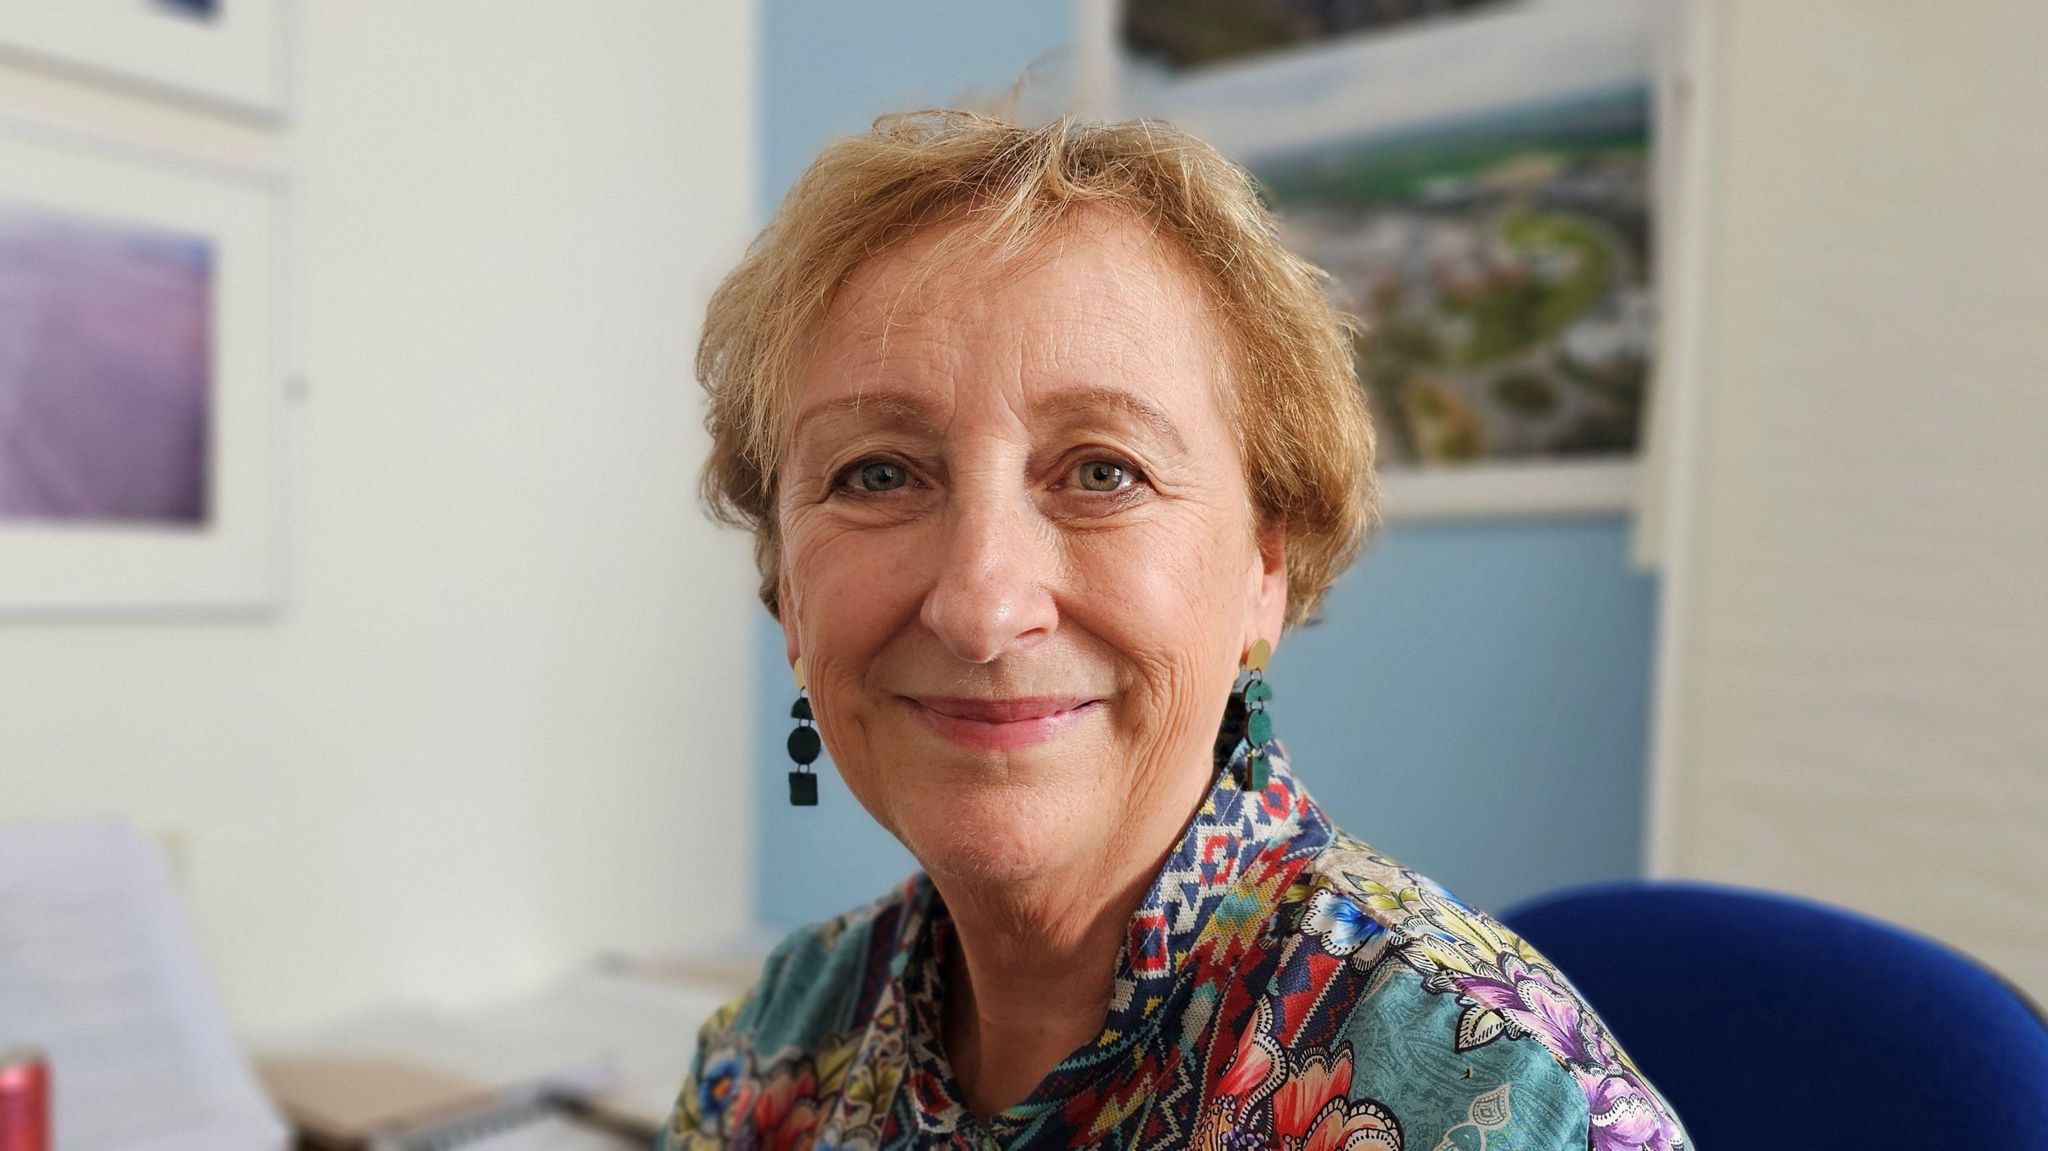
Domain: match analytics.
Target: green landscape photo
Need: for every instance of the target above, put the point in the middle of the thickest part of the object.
(1501, 265)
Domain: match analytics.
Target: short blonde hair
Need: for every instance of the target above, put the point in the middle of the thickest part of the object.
(1300, 419)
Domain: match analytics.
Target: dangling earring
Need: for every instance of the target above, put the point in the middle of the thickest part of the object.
(1258, 726)
(1245, 721)
(803, 747)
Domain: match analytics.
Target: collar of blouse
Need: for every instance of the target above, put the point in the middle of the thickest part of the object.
(1206, 911)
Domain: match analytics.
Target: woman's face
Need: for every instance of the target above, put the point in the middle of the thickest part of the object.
(1020, 557)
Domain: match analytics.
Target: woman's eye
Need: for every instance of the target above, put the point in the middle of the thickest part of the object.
(878, 476)
(1103, 476)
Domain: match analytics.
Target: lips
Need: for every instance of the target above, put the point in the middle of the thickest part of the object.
(1015, 710)
(1000, 724)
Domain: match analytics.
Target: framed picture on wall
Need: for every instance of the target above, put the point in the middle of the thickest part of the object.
(224, 53)
(140, 312)
(1476, 176)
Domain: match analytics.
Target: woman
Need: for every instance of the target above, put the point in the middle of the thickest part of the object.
(1044, 440)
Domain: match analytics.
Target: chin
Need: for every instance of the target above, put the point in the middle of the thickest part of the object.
(998, 833)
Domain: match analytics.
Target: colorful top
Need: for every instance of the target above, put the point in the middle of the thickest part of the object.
(1282, 986)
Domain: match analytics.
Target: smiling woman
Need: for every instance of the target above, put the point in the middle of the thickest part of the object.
(972, 574)
(1044, 440)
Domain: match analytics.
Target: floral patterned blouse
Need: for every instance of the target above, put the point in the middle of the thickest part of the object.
(1282, 986)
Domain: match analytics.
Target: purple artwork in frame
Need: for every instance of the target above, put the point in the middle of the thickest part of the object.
(106, 365)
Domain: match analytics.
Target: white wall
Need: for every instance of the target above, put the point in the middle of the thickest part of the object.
(1860, 706)
(498, 724)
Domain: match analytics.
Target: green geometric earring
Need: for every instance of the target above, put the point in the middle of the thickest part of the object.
(803, 747)
(1258, 726)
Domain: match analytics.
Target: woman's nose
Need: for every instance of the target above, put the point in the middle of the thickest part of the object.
(995, 565)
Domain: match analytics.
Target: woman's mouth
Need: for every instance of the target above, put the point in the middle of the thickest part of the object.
(1000, 724)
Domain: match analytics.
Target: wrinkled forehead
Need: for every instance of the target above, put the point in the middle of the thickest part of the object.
(1094, 296)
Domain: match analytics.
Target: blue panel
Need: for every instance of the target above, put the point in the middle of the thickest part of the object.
(829, 67)
(1475, 703)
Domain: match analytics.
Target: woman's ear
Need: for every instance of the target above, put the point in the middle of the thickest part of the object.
(785, 614)
(1269, 599)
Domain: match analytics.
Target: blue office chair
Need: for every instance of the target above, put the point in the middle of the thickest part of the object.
(1770, 1022)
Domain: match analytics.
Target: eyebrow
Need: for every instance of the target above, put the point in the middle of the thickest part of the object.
(891, 408)
(1068, 406)
(1080, 402)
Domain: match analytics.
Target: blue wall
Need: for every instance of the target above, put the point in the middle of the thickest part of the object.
(829, 67)
(1475, 702)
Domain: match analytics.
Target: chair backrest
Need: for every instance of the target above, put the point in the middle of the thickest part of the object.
(1771, 1022)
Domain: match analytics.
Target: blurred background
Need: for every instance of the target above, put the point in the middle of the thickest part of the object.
(349, 543)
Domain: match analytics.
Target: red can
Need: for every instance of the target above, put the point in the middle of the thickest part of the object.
(24, 1100)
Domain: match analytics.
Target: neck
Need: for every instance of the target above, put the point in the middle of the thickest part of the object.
(1029, 975)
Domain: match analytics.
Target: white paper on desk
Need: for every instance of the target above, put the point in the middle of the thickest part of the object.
(615, 1041)
(99, 969)
(644, 1030)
